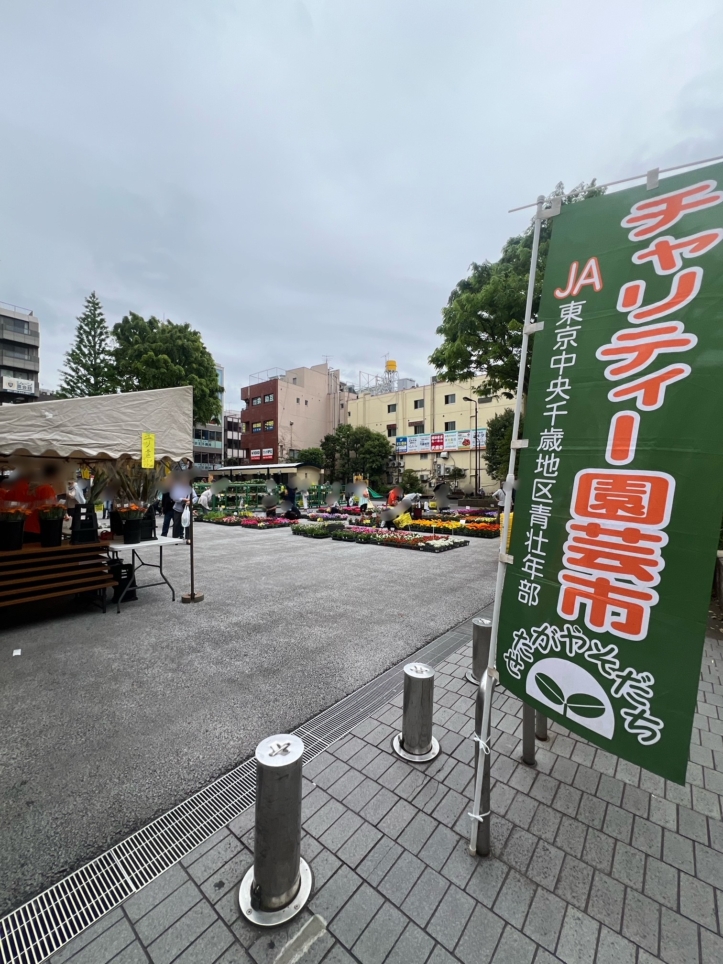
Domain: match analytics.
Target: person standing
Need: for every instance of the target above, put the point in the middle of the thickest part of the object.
(182, 494)
(167, 510)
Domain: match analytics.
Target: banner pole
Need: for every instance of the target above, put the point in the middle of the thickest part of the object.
(483, 738)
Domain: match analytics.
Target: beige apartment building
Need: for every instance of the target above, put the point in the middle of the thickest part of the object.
(432, 427)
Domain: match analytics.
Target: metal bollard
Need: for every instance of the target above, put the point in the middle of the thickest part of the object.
(528, 735)
(481, 636)
(483, 834)
(416, 742)
(279, 884)
(540, 726)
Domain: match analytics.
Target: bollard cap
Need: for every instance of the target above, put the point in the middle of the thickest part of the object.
(279, 750)
(481, 621)
(418, 671)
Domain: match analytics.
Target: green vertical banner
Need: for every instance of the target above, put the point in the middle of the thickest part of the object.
(620, 493)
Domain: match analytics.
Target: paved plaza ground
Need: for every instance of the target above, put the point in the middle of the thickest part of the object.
(109, 720)
(594, 859)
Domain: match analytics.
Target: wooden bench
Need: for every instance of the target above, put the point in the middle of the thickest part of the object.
(34, 573)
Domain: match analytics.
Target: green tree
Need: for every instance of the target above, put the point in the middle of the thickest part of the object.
(499, 439)
(410, 481)
(356, 451)
(482, 321)
(160, 354)
(314, 456)
(89, 368)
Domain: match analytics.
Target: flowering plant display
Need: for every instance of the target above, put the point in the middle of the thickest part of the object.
(263, 523)
(402, 540)
(314, 531)
(51, 511)
(483, 530)
(131, 511)
(13, 511)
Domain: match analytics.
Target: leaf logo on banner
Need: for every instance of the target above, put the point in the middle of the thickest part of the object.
(583, 704)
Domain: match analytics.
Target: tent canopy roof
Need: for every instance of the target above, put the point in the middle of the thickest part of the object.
(100, 426)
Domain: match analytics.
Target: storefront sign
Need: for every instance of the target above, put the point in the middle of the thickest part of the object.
(255, 455)
(21, 385)
(620, 497)
(148, 450)
(441, 442)
(267, 454)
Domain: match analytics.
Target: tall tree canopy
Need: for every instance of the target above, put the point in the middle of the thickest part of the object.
(160, 354)
(499, 438)
(89, 368)
(314, 456)
(482, 321)
(356, 451)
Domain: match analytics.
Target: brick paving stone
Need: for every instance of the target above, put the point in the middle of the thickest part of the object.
(710, 865)
(706, 802)
(379, 806)
(647, 837)
(441, 956)
(607, 897)
(380, 936)
(311, 803)
(402, 877)
(480, 938)
(228, 876)
(180, 935)
(614, 949)
(544, 788)
(514, 899)
(635, 800)
(209, 946)
(335, 893)
(678, 851)
(514, 948)
(519, 849)
(573, 882)
(411, 785)
(413, 947)
(378, 765)
(663, 812)
(364, 791)
(545, 865)
(461, 864)
(460, 777)
(641, 921)
(697, 901)
(661, 882)
(501, 797)
(546, 823)
(571, 836)
(578, 938)
(629, 866)
(450, 808)
(692, 825)
(324, 865)
(167, 912)
(134, 954)
(344, 786)
(345, 749)
(318, 765)
(397, 819)
(610, 790)
(340, 831)
(417, 832)
(618, 823)
(599, 850)
(379, 861)
(214, 858)
(450, 918)
(499, 832)
(359, 844)
(355, 915)
(153, 893)
(591, 811)
(430, 796)
(487, 879)
(544, 919)
(522, 810)
(392, 777)
(711, 948)
(564, 770)
(438, 847)
(364, 757)
(678, 939)
(586, 779)
(324, 817)
(422, 900)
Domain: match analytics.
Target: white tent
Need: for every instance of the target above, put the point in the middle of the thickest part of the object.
(101, 426)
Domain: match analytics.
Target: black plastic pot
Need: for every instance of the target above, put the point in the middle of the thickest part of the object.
(11, 535)
(51, 532)
(148, 528)
(132, 531)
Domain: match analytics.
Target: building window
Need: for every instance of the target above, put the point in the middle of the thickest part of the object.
(419, 430)
(256, 427)
(450, 426)
(424, 455)
(391, 431)
(269, 425)
(487, 398)
(298, 401)
(450, 399)
(306, 401)
(342, 405)
(244, 427)
(269, 398)
(293, 381)
(256, 401)
(419, 403)
(393, 408)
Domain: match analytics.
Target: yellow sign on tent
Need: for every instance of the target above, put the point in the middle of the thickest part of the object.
(148, 450)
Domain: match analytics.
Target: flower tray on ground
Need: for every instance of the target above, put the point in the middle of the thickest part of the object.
(475, 530)
(399, 540)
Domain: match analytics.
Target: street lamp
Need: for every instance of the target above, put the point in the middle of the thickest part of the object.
(466, 398)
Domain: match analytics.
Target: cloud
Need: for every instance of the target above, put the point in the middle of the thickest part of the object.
(299, 179)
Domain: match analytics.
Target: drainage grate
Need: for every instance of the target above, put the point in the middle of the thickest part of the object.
(39, 928)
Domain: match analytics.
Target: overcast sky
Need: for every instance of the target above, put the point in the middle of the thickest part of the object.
(300, 178)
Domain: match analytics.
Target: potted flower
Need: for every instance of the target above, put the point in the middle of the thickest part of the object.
(132, 516)
(12, 523)
(51, 518)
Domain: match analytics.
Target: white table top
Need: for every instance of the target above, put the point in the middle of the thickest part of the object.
(119, 546)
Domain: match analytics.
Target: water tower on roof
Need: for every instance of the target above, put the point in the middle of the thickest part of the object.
(380, 384)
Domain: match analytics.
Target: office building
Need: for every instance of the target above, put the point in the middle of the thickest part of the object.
(430, 426)
(19, 354)
(208, 439)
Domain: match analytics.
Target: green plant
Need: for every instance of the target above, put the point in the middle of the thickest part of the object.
(137, 484)
(51, 511)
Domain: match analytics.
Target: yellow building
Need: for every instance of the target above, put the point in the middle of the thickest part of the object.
(432, 427)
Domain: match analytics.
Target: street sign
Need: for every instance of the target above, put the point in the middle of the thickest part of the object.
(620, 497)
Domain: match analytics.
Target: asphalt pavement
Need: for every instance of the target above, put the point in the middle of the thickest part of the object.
(109, 720)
